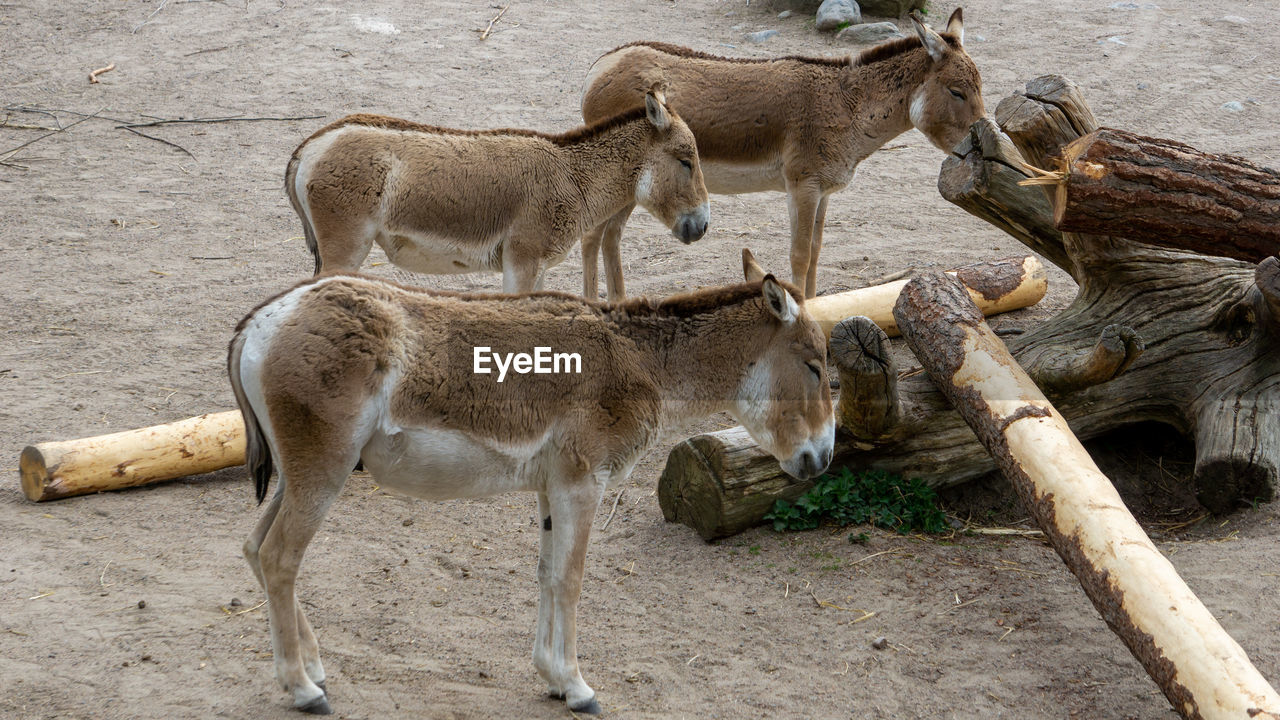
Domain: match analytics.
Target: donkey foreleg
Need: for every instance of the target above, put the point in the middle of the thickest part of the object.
(520, 269)
(612, 250)
(815, 247)
(591, 262)
(566, 528)
(803, 200)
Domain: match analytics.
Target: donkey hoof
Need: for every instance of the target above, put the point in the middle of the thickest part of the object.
(586, 707)
(319, 706)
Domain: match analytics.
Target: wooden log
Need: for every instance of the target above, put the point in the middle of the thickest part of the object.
(868, 407)
(1201, 670)
(1112, 182)
(997, 286)
(202, 444)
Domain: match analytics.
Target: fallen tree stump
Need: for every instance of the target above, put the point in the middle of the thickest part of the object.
(1154, 334)
(997, 286)
(1200, 669)
(1168, 194)
(202, 444)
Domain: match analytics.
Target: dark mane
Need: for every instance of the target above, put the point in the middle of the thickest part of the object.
(894, 48)
(690, 53)
(697, 302)
(570, 137)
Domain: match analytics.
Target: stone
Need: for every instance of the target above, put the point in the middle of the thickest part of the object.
(835, 14)
(870, 33)
(784, 14)
(759, 37)
(1233, 106)
(891, 8)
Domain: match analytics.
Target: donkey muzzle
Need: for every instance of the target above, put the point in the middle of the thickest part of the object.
(693, 225)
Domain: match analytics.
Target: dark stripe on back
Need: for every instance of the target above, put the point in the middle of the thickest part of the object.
(898, 46)
(690, 53)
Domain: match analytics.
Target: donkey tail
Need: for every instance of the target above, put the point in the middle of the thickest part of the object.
(291, 189)
(257, 452)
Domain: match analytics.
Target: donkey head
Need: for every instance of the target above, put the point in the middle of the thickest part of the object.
(670, 183)
(950, 98)
(784, 400)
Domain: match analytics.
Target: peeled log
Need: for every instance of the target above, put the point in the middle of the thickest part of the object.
(1201, 670)
(193, 446)
(1168, 194)
(996, 286)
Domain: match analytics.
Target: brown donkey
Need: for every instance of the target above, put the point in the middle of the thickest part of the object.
(514, 201)
(795, 124)
(431, 391)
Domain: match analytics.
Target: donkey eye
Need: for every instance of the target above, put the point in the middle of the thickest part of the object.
(956, 93)
(815, 369)
(687, 165)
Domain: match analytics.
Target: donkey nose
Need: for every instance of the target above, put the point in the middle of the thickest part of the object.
(811, 465)
(691, 229)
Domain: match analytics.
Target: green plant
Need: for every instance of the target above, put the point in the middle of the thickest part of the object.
(874, 497)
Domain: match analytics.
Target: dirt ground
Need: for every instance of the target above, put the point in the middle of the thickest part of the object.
(126, 263)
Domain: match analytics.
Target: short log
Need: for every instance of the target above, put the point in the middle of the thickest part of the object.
(996, 286)
(1112, 182)
(202, 444)
(1201, 670)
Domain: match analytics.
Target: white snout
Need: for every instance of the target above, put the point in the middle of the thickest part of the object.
(814, 455)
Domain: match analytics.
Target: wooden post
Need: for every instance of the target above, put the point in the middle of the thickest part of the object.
(196, 445)
(997, 286)
(1200, 669)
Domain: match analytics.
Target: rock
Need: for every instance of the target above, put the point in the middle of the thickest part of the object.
(870, 33)
(759, 37)
(1133, 6)
(1143, 86)
(784, 14)
(1234, 20)
(235, 602)
(1233, 106)
(880, 643)
(891, 8)
(835, 14)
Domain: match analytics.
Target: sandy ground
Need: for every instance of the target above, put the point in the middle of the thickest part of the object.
(126, 263)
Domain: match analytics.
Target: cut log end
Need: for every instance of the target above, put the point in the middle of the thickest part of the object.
(1267, 278)
(34, 472)
(868, 406)
(1225, 484)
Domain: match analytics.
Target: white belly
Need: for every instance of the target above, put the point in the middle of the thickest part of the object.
(724, 178)
(439, 255)
(440, 464)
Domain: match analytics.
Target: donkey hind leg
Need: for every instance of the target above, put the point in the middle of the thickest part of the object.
(815, 247)
(299, 516)
(307, 637)
(571, 510)
(612, 250)
(802, 202)
(343, 242)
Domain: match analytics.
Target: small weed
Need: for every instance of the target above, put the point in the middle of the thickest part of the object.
(874, 497)
(754, 549)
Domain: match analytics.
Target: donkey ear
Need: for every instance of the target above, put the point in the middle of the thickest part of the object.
(779, 301)
(955, 26)
(656, 112)
(751, 269)
(931, 40)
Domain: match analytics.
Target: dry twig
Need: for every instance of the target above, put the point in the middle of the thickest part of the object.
(93, 75)
(485, 34)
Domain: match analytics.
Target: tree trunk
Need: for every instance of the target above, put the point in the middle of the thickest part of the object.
(1168, 194)
(1154, 335)
(196, 445)
(1200, 669)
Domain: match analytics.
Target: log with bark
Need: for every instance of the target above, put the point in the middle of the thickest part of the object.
(1154, 334)
(202, 444)
(1201, 670)
(1165, 193)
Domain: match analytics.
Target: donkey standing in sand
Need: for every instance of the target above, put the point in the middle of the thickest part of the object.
(515, 201)
(342, 368)
(795, 124)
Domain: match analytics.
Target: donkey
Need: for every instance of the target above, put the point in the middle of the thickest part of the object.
(455, 201)
(796, 124)
(342, 368)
